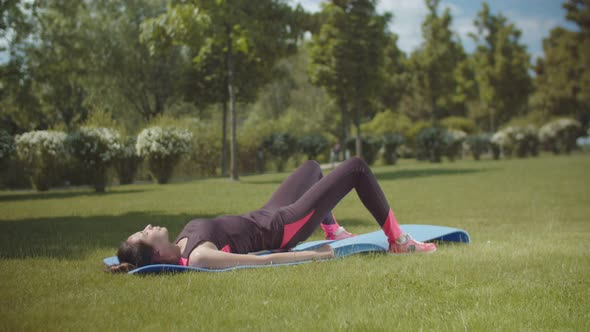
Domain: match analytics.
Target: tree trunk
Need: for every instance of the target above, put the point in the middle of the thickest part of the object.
(342, 104)
(232, 106)
(492, 121)
(224, 140)
(357, 122)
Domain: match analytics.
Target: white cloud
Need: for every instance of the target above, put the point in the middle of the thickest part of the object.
(408, 16)
(534, 29)
(455, 9)
(407, 21)
(309, 5)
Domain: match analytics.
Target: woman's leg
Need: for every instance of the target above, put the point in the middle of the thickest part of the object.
(303, 216)
(296, 184)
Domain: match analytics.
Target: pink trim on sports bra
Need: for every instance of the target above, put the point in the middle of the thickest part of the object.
(183, 261)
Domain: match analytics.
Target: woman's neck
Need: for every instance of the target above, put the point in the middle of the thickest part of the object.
(173, 254)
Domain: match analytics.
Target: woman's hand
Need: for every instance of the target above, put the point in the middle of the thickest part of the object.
(324, 252)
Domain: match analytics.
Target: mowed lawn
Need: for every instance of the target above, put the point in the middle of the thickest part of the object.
(528, 267)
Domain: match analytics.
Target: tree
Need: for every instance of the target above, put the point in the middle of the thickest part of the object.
(20, 108)
(348, 55)
(433, 66)
(500, 63)
(70, 58)
(395, 73)
(134, 75)
(242, 34)
(42, 80)
(563, 74)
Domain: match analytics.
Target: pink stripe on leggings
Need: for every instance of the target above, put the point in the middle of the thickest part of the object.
(291, 229)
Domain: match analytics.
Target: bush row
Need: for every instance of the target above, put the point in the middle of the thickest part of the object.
(45, 154)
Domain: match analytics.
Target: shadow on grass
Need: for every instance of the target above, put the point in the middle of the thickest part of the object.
(419, 173)
(75, 237)
(393, 175)
(64, 194)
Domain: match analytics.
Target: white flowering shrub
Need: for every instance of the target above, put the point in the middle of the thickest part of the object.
(522, 140)
(454, 143)
(560, 135)
(503, 142)
(127, 160)
(42, 152)
(6, 146)
(531, 142)
(96, 149)
(162, 148)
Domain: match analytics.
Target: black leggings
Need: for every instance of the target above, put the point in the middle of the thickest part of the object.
(306, 198)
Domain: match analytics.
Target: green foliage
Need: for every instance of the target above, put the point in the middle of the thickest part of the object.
(459, 123)
(162, 149)
(370, 147)
(280, 146)
(313, 145)
(431, 144)
(478, 144)
(454, 143)
(102, 118)
(42, 153)
(528, 141)
(412, 132)
(6, 147)
(206, 148)
(387, 122)
(254, 131)
(560, 134)
(235, 45)
(514, 139)
(395, 75)
(127, 161)
(347, 56)
(96, 149)
(433, 66)
(391, 142)
(563, 74)
(500, 65)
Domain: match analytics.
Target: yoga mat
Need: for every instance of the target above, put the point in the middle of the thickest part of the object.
(370, 242)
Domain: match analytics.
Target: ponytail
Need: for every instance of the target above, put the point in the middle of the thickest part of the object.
(120, 268)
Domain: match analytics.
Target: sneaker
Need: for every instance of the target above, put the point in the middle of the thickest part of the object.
(339, 234)
(410, 246)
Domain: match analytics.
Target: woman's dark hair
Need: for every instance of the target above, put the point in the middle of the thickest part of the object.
(132, 256)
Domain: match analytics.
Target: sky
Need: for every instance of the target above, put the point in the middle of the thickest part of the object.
(535, 18)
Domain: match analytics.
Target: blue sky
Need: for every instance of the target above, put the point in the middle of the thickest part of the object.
(535, 18)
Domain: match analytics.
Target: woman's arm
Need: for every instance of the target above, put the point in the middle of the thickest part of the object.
(207, 256)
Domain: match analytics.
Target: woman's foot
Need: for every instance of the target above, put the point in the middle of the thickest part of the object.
(407, 245)
(338, 234)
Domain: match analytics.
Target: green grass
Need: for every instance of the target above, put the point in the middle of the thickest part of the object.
(528, 267)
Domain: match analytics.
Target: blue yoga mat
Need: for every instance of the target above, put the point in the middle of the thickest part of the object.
(370, 242)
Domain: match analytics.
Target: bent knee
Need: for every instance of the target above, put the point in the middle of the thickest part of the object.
(358, 161)
(313, 163)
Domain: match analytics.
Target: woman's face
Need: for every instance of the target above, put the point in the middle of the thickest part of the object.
(153, 235)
